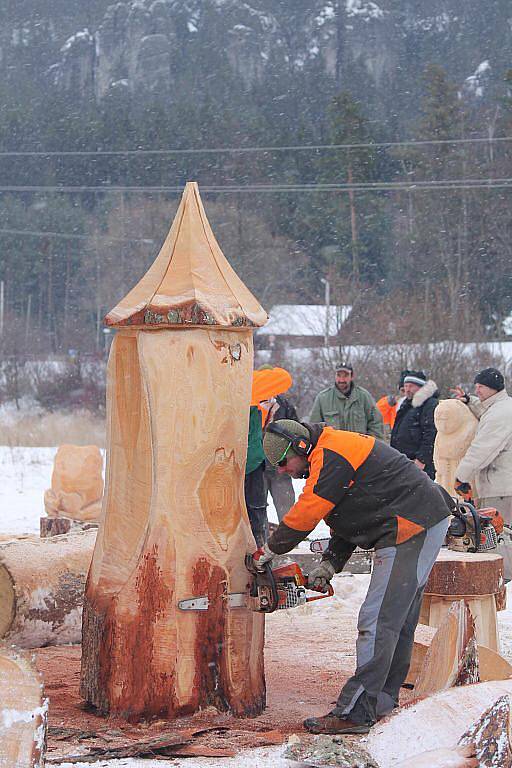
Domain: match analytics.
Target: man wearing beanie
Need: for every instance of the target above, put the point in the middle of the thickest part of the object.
(373, 497)
(487, 465)
(414, 431)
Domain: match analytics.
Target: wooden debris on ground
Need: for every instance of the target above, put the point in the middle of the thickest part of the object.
(491, 736)
(23, 712)
(90, 746)
(452, 657)
(437, 722)
(42, 584)
(338, 751)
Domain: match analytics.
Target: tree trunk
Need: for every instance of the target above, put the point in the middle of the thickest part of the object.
(175, 527)
(23, 712)
(42, 584)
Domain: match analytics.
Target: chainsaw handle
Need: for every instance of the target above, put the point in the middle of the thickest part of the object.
(329, 593)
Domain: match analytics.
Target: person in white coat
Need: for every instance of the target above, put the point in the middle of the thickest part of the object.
(488, 461)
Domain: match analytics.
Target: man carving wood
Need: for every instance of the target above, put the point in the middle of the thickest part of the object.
(370, 496)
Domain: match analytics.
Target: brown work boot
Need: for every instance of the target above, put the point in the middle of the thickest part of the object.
(334, 725)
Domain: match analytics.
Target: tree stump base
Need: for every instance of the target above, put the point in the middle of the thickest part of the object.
(476, 578)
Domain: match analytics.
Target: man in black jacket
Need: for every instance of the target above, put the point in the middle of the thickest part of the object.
(414, 431)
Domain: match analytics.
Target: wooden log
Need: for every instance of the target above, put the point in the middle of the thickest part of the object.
(42, 584)
(458, 757)
(56, 526)
(491, 665)
(23, 712)
(437, 722)
(477, 578)
(490, 736)
(174, 524)
(451, 658)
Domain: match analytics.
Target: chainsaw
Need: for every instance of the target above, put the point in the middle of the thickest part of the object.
(269, 590)
(474, 530)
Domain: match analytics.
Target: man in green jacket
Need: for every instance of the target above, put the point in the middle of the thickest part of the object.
(348, 406)
(255, 488)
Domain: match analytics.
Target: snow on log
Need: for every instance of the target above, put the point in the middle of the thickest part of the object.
(437, 722)
(491, 736)
(452, 657)
(42, 583)
(23, 712)
(174, 524)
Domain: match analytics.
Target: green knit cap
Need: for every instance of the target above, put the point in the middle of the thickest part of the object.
(277, 447)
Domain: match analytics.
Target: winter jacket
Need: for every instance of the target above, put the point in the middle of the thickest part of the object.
(255, 454)
(488, 460)
(388, 407)
(368, 494)
(355, 413)
(414, 431)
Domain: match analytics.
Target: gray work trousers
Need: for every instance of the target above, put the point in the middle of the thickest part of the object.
(281, 489)
(386, 625)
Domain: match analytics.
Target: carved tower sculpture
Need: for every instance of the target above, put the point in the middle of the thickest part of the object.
(174, 524)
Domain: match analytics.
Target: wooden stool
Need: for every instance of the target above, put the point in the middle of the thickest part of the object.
(476, 578)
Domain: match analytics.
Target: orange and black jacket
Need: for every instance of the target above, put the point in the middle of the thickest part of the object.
(369, 494)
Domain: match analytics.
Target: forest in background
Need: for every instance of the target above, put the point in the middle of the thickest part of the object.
(412, 225)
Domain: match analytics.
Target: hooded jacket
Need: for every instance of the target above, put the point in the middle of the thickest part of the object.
(368, 494)
(414, 431)
(488, 460)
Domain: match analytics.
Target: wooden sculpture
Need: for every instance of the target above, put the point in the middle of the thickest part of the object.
(456, 427)
(77, 489)
(23, 712)
(174, 524)
(42, 583)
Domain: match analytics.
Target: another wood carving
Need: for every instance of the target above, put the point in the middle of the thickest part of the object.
(456, 427)
(42, 583)
(475, 577)
(23, 712)
(77, 483)
(174, 523)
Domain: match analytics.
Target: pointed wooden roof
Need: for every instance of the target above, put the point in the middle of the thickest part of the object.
(190, 283)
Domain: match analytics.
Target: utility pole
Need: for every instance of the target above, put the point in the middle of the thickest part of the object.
(327, 310)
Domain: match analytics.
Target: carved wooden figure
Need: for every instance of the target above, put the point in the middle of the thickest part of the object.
(456, 427)
(174, 523)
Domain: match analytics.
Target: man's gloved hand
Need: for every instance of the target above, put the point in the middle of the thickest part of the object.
(320, 577)
(262, 556)
(463, 489)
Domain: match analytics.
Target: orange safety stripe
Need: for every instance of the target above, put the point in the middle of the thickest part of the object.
(310, 508)
(355, 448)
(406, 529)
(269, 383)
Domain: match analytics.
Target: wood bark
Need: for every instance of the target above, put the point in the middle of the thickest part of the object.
(174, 524)
(490, 736)
(23, 712)
(465, 573)
(42, 584)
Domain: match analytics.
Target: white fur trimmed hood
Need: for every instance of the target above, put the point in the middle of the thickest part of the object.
(423, 394)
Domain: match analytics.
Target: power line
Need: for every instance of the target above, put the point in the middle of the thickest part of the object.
(65, 235)
(244, 150)
(407, 186)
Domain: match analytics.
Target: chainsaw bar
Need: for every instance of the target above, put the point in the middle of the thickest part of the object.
(233, 599)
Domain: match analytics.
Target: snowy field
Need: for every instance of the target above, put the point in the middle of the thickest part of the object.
(25, 475)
